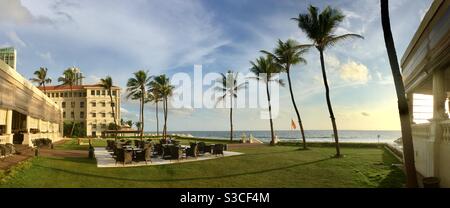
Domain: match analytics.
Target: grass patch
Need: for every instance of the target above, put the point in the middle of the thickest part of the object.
(265, 166)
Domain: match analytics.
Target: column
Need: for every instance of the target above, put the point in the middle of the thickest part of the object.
(439, 96)
(9, 116)
(410, 98)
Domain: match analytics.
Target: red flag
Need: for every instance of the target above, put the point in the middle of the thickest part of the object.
(293, 126)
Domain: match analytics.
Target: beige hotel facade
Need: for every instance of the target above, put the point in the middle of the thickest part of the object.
(89, 105)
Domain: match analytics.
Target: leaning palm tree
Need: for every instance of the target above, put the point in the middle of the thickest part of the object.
(136, 88)
(69, 78)
(161, 86)
(320, 29)
(155, 97)
(265, 69)
(229, 87)
(288, 54)
(408, 148)
(41, 78)
(107, 84)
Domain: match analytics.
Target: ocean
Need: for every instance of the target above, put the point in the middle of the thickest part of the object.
(355, 136)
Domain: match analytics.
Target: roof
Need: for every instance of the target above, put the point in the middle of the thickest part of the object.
(423, 25)
(74, 87)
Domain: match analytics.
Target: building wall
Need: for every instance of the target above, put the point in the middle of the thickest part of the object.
(95, 113)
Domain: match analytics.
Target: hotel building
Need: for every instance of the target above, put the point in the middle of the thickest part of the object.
(25, 112)
(89, 105)
(426, 72)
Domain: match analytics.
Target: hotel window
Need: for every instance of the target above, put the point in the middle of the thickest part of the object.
(64, 114)
(92, 92)
(65, 94)
(57, 94)
(94, 104)
(103, 92)
(63, 104)
(103, 115)
(114, 93)
(94, 126)
(53, 94)
(103, 104)
(103, 126)
(61, 94)
(94, 115)
(72, 114)
(84, 94)
(109, 92)
(72, 104)
(81, 104)
(81, 114)
(98, 92)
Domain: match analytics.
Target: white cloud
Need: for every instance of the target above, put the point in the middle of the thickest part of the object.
(332, 62)
(12, 11)
(15, 38)
(354, 72)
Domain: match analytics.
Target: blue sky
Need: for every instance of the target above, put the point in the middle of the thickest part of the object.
(119, 37)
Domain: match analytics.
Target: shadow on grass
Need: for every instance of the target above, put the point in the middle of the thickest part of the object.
(396, 177)
(183, 179)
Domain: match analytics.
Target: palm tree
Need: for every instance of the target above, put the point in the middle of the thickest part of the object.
(269, 68)
(107, 84)
(320, 28)
(69, 78)
(408, 148)
(154, 96)
(41, 78)
(229, 87)
(138, 125)
(161, 86)
(136, 88)
(288, 54)
(129, 123)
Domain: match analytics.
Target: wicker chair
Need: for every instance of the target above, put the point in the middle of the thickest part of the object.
(176, 152)
(119, 155)
(127, 157)
(146, 155)
(192, 151)
(218, 149)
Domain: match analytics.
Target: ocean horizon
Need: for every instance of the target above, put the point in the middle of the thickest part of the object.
(354, 136)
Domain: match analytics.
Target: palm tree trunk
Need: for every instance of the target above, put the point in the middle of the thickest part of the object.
(157, 119)
(408, 147)
(73, 118)
(330, 108)
(45, 90)
(295, 107)
(114, 114)
(272, 142)
(142, 114)
(165, 118)
(231, 118)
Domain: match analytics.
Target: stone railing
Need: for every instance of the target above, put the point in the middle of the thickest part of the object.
(446, 130)
(421, 131)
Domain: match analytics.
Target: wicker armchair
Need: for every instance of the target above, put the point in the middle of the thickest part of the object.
(218, 149)
(192, 151)
(176, 152)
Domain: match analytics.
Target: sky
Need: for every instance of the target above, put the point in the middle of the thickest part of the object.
(117, 38)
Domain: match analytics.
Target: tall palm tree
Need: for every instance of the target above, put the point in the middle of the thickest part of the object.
(136, 88)
(41, 78)
(320, 29)
(161, 86)
(69, 78)
(155, 97)
(107, 84)
(229, 87)
(408, 148)
(288, 54)
(268, 68)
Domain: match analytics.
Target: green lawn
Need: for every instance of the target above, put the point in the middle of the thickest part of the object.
(281, 166)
